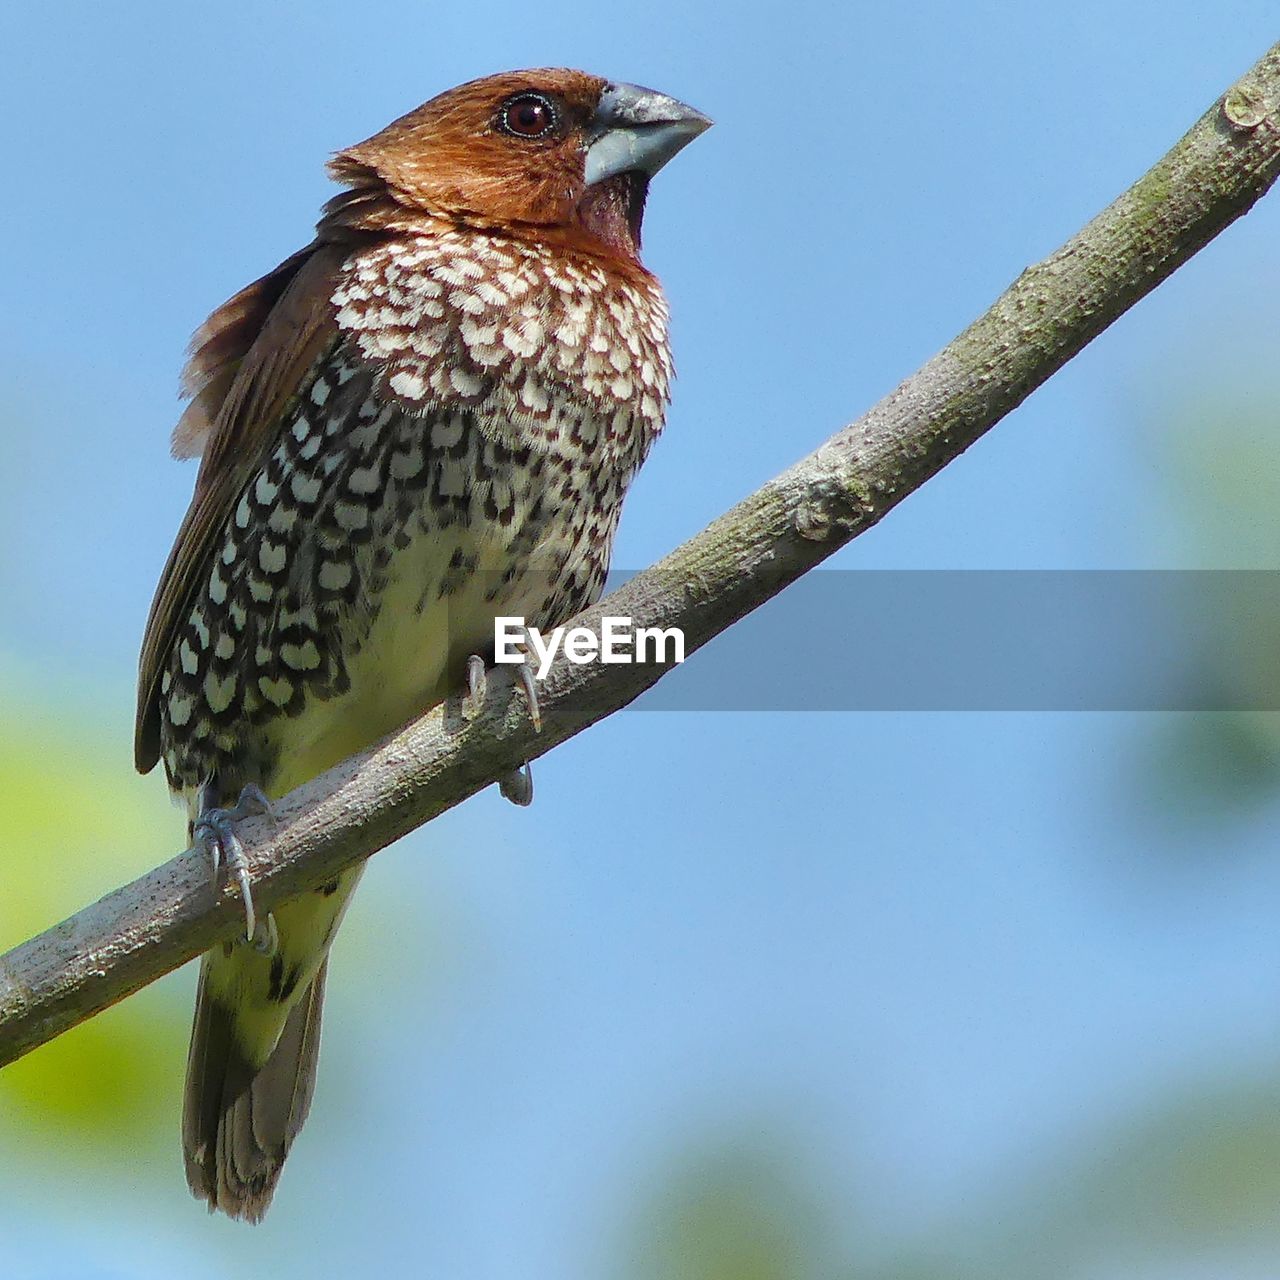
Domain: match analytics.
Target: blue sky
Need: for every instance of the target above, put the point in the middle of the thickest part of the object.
(932, 949)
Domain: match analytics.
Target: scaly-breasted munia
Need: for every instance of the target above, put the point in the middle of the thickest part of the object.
(426, 418)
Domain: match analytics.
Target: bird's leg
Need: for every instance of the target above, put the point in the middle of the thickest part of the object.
(477, 687)
(214, 831)
(529, 684)
(266, 937)
(516, 786)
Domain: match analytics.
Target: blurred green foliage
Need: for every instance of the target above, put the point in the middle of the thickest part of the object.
(75, 823)
(1197, 1172)
(735, 1208)
(1224, 454)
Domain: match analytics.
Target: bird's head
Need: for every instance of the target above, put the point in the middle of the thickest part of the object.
(553, 153)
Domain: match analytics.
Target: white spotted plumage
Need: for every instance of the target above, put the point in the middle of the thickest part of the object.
(482, 411)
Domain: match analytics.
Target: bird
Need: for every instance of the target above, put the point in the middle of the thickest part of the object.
(427, 418)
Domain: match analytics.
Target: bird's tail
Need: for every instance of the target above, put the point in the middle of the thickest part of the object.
(238, 1119)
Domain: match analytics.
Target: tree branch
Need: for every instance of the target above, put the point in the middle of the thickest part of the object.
(1228, 159)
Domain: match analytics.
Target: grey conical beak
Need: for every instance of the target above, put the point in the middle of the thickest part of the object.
(637, 130)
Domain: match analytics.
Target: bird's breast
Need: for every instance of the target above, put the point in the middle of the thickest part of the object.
(461, 452)
(550, 349)
(480, 530)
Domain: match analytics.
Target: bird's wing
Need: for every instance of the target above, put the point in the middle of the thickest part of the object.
(249, 362)
(218, 349)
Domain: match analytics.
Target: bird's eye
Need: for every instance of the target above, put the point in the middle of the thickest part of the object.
(529, 115)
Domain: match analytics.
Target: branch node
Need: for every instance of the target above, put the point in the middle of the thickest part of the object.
(1244, 107)
(813, 522)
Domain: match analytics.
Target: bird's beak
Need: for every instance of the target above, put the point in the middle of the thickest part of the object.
(637, 130)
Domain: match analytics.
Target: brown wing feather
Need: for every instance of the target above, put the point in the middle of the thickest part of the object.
(257, 374)
(219, 346)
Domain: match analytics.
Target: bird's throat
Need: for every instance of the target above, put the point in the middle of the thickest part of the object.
(611, 213)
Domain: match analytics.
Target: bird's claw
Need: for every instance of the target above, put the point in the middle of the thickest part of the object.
(214, 831)
(477, 687)
(517, 786)
(252, 803)
(266, 937)
(530, 687)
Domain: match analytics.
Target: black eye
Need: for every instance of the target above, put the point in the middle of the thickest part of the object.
(529, 115)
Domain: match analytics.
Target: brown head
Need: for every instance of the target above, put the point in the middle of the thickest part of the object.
(552, 153)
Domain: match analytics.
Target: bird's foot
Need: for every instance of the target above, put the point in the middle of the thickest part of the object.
(266, 937)
(477, 687)
(215, 832)
(527, 682)
(516, 786)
